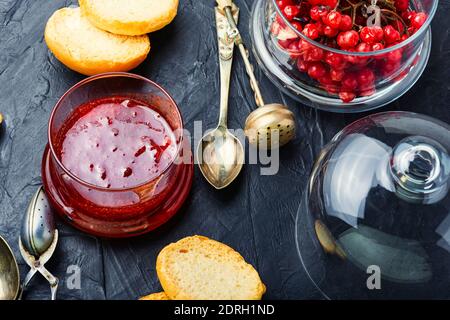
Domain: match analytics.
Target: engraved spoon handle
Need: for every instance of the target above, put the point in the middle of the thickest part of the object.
(226, 48)
(54, 281)
(236, 36)
(26, 281)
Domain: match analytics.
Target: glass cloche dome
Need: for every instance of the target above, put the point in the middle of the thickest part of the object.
(374, 222)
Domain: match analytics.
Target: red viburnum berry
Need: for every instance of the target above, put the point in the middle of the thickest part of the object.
(371, 34)
(283, 3)
(337, 75)
(330, 32)
(316, 70)
(335, 60)
(408, 15)
(314, 54)
(315, 2)
(331, 3)
(318, 12)
(349, 82)
(418, 20)
(302, 66)
(390, 34)
(347, 96)
(401, 5)
(348, 39)
(310, 30)
(377, 46)
(297, 25)
(346, 23)
(290, 12)
(333, 19)
(365, 78)
(326, 80)
(394, 56)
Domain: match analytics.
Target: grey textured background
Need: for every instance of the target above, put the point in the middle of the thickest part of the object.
(255, 215)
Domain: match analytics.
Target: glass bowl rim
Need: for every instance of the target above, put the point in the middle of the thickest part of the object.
(416, 35)
(103, 76)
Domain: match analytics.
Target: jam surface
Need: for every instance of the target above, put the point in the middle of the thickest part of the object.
(116, 143)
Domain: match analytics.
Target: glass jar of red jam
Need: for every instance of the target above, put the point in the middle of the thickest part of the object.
(116, 164)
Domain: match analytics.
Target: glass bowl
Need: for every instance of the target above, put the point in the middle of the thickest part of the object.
(348, 81)
(374, 221)
(117, 212)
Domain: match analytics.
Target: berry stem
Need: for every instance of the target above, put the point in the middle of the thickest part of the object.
(386, 3)
(337, 5)
(399, 18)
(354, 8)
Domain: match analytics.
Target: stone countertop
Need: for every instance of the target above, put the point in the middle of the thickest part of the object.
(256, 215)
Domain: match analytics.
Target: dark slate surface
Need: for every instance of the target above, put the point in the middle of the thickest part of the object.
(255, 215)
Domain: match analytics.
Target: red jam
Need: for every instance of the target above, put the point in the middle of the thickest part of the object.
(116, 143)
(119, 175)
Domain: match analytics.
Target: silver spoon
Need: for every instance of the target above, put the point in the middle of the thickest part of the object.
(220, 153)
(9, 273)
(38, 240)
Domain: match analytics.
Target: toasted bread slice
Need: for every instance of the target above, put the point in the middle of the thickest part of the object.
(156, 296)
(85, 48)
(198, 268)
(131, 17)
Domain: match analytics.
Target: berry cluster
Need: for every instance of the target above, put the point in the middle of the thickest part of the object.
(342, 24)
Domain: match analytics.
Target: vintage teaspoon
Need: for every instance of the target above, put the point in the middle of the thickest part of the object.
(220, 154)
(38, 239)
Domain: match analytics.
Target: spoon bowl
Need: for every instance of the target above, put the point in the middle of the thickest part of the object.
(38, 228)
(221, 157)
(9, 273)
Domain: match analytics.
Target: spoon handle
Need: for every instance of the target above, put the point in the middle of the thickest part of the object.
(54, 281)
(25, 283)
(53, 290)
(226, 48)
(28, 278)
(236, 36)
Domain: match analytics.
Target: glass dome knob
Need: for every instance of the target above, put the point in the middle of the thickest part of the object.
(421, 169)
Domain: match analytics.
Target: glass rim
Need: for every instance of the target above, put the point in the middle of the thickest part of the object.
(103, 76)
(416, 35)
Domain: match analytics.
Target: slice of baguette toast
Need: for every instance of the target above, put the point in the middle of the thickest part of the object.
(156, 296)
(86, 49)
(198, 268)
(131, 17)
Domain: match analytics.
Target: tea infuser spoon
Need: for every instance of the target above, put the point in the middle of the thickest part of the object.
(38, 240)
(220, 154)
(269, 120)
(9, 273)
